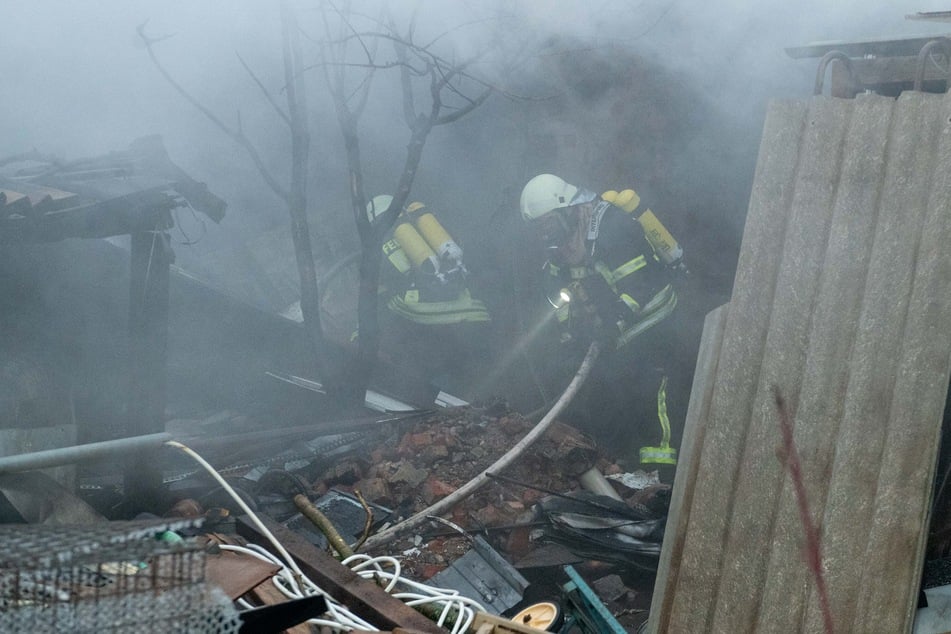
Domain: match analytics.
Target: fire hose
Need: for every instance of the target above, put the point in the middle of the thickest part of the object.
(443, 505)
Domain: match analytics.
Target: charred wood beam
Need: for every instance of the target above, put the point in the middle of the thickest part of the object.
(361, 596)
(148, 356)
(143, 211)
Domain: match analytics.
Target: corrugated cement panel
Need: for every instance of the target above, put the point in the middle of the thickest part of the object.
(841, 301)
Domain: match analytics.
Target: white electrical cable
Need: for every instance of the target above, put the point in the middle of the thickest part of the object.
(241, 503)
(464, 607)
(294, 584)
(286, 583)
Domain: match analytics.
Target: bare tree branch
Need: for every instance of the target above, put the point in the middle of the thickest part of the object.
(458, 114)
(349, 26)
(364, 65)
(267, 94)
(236, 135)
(363, 88)
(295, 195)
(409, 107)
(297, 199)
(441, 75)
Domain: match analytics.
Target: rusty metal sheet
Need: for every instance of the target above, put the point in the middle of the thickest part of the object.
(841, 300)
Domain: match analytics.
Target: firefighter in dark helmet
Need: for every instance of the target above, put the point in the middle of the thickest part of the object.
(611, 275)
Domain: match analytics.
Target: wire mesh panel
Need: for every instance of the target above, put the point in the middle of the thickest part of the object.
(113, 577)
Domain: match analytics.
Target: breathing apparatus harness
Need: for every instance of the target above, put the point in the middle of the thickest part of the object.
(422, 249)
(632, 318)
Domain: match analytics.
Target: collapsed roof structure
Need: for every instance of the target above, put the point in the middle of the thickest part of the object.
(131, 193)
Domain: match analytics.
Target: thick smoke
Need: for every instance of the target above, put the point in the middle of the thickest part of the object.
(664, 95)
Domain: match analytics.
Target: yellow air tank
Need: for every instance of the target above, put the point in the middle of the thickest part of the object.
(420, 254)
(665, 246)
(628, 200)
(438, 238)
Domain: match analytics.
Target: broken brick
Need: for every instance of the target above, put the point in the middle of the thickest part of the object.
(519, 543)
(435, 489)
(430, 570)
(408, 473)
(420, 440)
(435, 452)
(344, 473)
(512, 425)
(375, 490)
(530, 496)
(486, 516)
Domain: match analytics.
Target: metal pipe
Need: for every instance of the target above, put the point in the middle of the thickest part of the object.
(91, 451)
(824, 62)
(78, 453)
(594, 481)
(923, 56)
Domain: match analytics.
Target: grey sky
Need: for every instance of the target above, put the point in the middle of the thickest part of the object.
(78, 84)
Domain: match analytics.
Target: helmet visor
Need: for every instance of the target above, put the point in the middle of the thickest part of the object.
(581, 197)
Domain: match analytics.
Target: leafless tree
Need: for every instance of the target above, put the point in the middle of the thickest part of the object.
(294, 192)
(349, 61)
(435, 91)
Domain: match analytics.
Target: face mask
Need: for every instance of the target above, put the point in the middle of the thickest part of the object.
(553, 229)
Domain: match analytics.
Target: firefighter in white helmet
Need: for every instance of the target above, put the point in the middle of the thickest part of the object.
(434, 322)
(611, 274)
(425, 279)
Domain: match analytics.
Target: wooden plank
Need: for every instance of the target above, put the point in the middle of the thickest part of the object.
(759, 480)
(237, 574)
(842, 299)
(361, 596)
(143, 211)
(831, 339)
(918, 371)
(736, 380)
(678, 518)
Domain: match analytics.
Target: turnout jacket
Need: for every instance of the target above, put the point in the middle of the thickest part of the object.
(426, 296)
(620, 289)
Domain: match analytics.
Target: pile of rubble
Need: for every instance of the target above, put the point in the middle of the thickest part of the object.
(420, 462)
(534, 521)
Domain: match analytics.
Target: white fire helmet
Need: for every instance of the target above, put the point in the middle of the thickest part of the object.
(547, 192)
